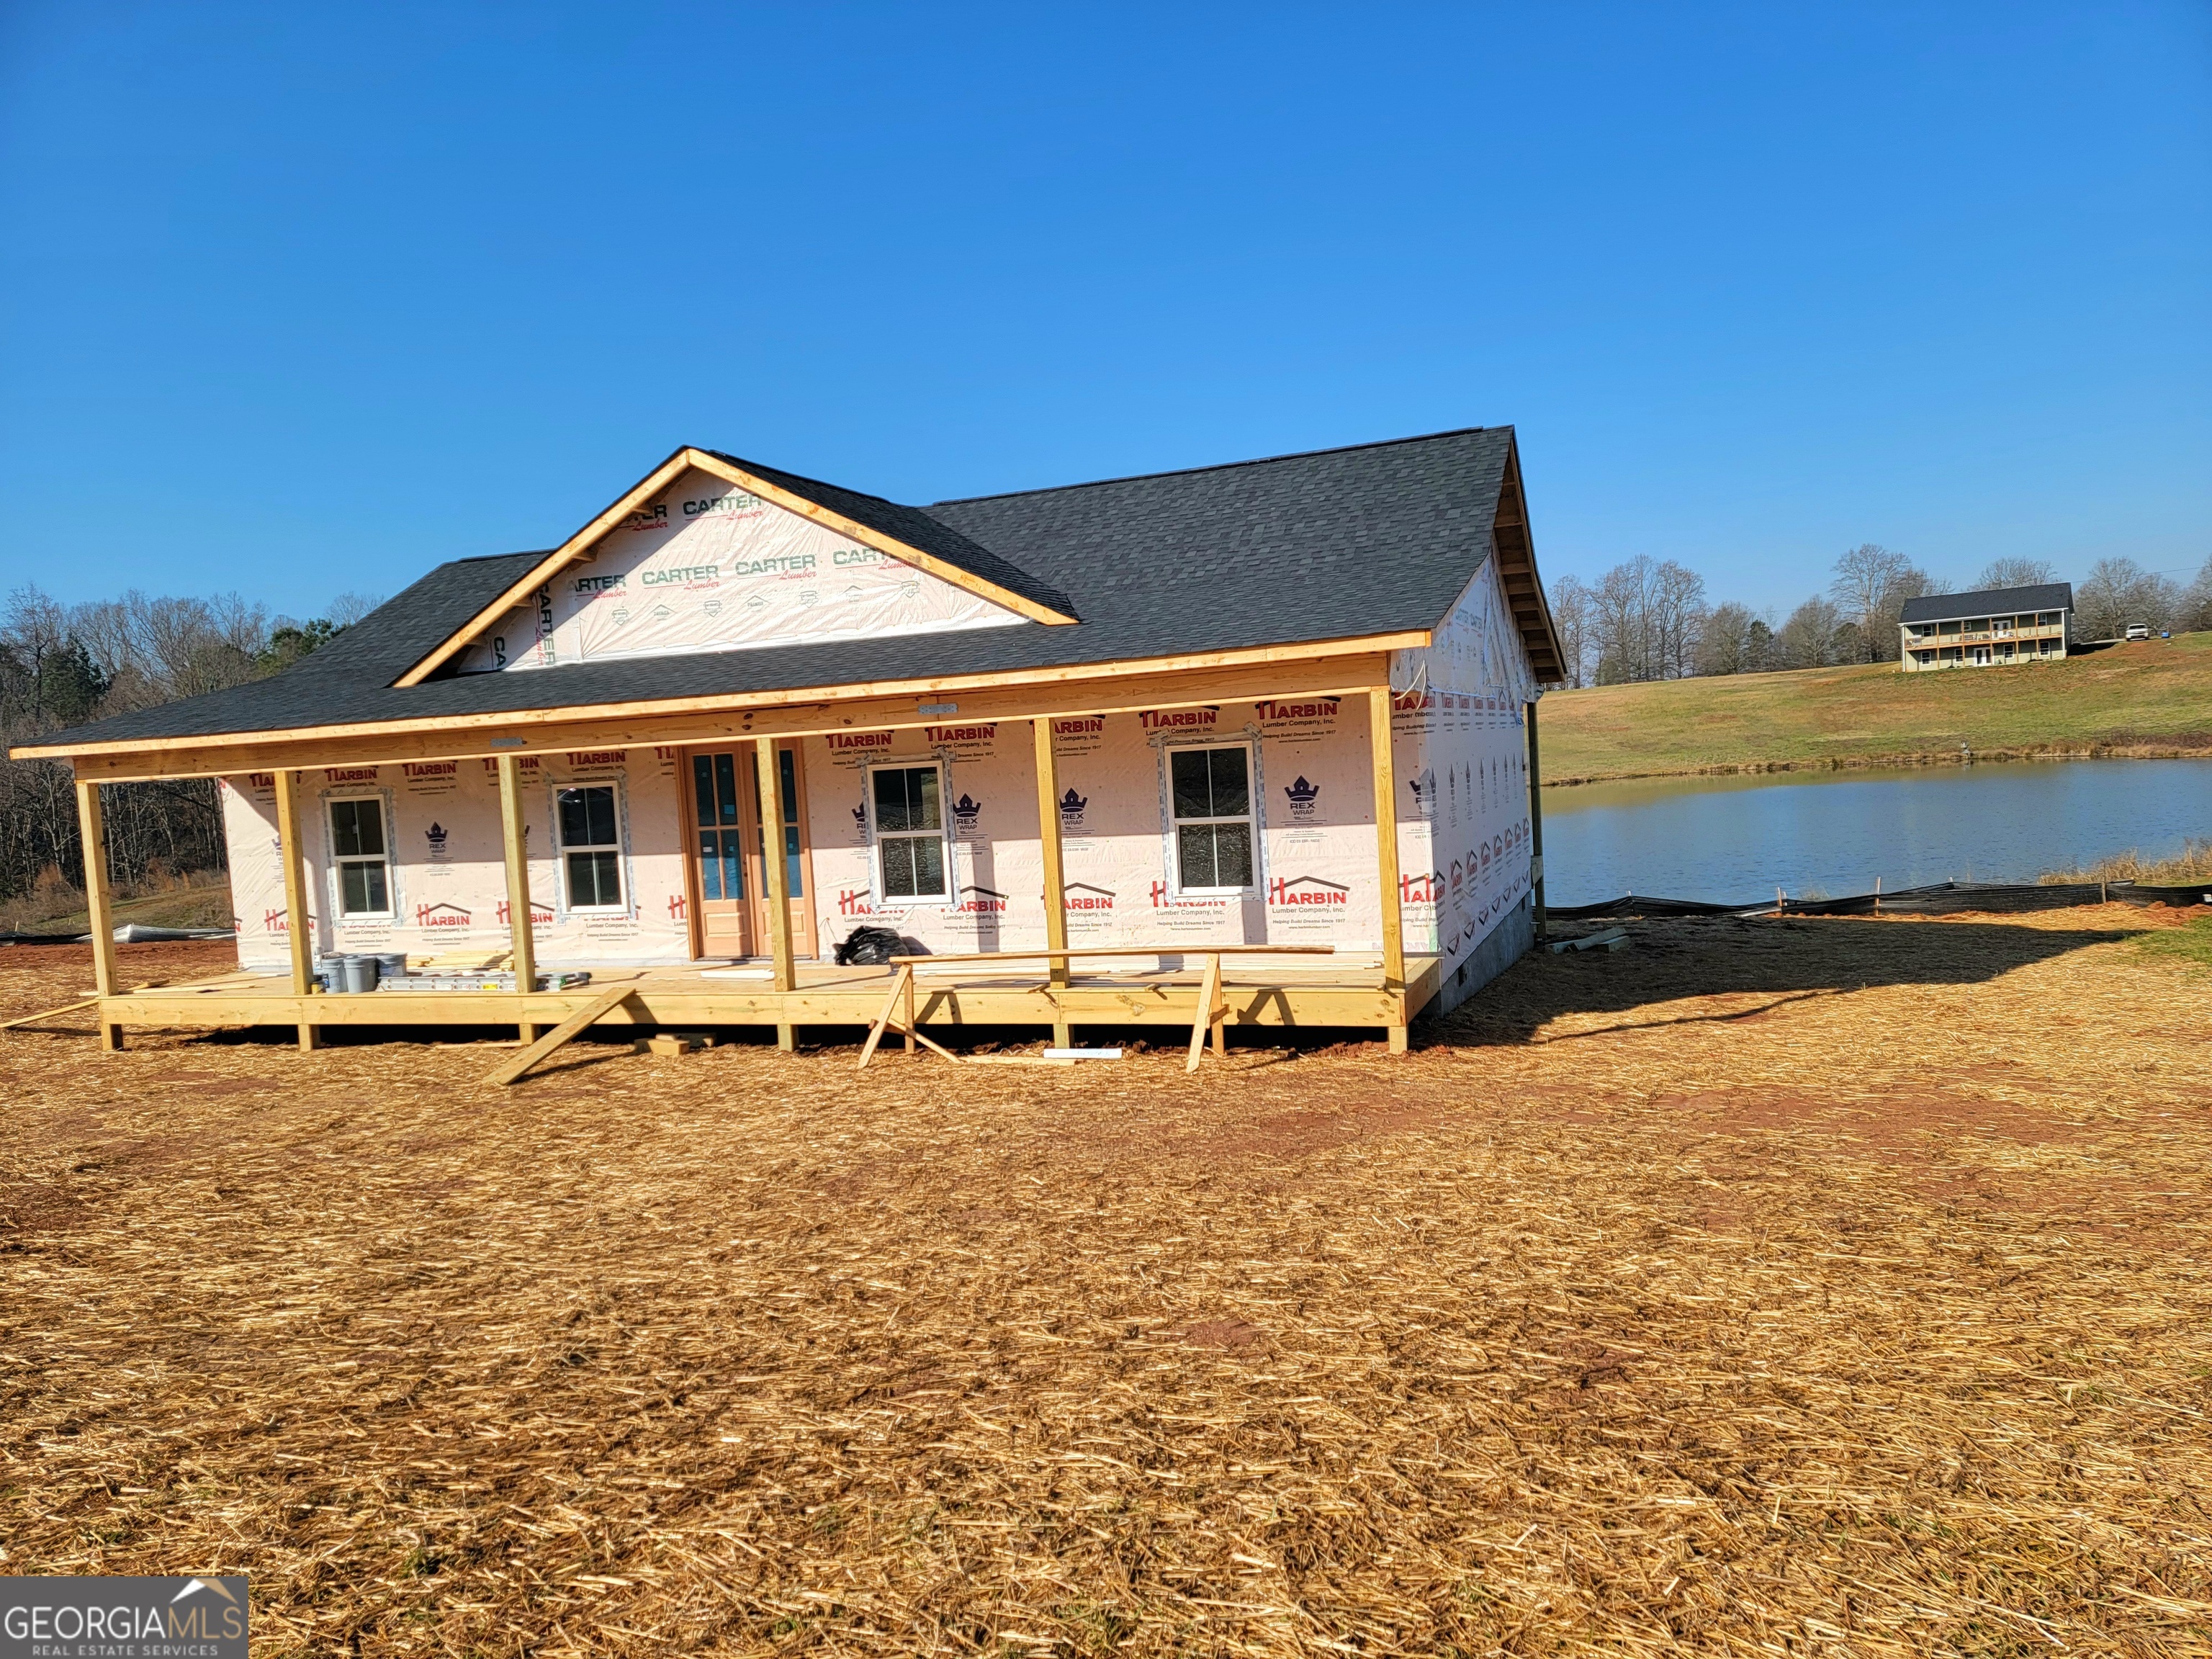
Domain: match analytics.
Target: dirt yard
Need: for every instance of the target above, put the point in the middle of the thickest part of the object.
(1816, 1286)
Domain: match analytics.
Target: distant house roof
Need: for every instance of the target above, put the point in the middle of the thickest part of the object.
(1334, 545)
(1990, 601)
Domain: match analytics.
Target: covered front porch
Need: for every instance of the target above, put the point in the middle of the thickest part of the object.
(1256, 991)
(1144, 981)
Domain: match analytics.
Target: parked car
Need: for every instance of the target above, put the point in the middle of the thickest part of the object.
(2138, 631)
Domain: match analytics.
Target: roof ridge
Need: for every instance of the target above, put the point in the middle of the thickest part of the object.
(1218, 467)
(479, 558)
(802, 477)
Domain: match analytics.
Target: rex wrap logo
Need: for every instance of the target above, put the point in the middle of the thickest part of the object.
(1306, 800)
(1070, 809)
(124, 1618)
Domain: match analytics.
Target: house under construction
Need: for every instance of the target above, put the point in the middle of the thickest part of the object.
(1135, 723)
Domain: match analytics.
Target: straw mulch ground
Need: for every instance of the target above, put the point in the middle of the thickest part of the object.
(1811, 1286)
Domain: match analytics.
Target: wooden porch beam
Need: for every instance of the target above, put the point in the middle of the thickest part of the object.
(299, 923)
(697, 720)
(91, 829)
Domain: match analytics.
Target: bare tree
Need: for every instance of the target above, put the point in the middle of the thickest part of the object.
(2120, 592)
(1735, 641)
(2014, 573)
(1646, 616)
(1809, 638)
(1870, 588)
(1570, 617)
(2195, 612)
(61, 665)
(348, 609)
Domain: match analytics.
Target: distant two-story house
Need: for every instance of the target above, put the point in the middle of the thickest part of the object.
(1980, 630)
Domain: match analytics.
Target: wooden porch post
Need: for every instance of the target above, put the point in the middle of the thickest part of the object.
(1386, 862)
(515, 852)
(298, 924)
(1055, 880)
(776, 882)
(92, 828)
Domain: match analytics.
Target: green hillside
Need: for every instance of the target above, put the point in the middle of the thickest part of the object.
(2151, 698)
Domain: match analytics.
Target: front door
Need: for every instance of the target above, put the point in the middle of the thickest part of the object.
(724, 870)
(729, 844)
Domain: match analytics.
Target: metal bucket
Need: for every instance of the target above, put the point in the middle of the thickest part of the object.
(360, 973)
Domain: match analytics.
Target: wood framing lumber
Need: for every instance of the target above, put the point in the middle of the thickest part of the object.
(1379, 708)
(1330, 669)
(92, 828)
(903, 985)
(514, 851)
(935, 1048)
(1209, 998)
(776, 882)
(299, 923)
(48, 1013)
(1055, 880)
(1127, 950)
(66, 1008)
(512, 1071)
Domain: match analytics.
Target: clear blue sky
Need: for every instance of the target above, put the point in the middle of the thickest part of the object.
(298, 299)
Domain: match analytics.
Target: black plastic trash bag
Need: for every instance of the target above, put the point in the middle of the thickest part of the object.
(870, 947)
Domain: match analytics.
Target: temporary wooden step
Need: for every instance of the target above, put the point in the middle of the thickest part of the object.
(669, 1045)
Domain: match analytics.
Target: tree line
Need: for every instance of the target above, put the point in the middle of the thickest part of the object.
(1648, 619)
(61, 665)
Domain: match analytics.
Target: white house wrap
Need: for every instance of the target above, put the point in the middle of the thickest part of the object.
(743, 714)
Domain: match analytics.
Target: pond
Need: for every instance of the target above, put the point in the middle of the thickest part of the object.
(1736, 839)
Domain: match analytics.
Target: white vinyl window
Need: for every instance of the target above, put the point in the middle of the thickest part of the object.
(906, 806)
(591, 846)
(359, 851)
(1209, 793)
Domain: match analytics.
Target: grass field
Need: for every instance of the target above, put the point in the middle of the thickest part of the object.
(1823, 1287)
(202, 901)
(2152, 698)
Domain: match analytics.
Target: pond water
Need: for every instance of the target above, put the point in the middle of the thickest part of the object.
(1827, 833)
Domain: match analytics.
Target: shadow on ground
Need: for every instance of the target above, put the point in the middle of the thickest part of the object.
(1787, 960)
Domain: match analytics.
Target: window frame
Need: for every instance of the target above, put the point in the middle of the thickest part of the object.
(1249, 818)
(618, 846)
(340, 860)
(884, 898)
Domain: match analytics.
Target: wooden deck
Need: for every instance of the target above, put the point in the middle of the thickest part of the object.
(1339, 993)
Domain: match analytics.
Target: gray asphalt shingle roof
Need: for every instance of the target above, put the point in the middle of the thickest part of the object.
(1333, 545)
(1989, 602)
